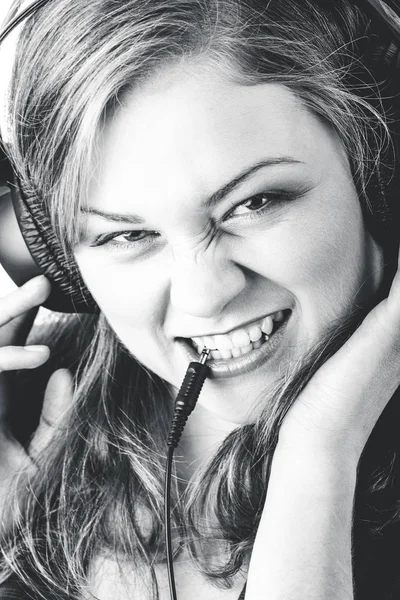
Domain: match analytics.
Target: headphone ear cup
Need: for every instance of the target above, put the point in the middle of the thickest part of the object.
(383, 34)
(69, 293)
(28, 247)
(385, 58)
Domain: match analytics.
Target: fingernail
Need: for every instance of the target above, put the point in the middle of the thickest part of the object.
(37, 348)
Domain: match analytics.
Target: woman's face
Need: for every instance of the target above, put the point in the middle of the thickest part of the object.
(215, 206)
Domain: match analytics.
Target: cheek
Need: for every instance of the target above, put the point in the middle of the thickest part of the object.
(130, 296)
(317, 253)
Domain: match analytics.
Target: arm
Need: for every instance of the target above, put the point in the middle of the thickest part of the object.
(303, 544)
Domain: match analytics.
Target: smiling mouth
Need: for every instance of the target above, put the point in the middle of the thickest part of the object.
(244, 354)
(240, 341)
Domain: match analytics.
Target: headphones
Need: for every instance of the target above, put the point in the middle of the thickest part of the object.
(28, 245)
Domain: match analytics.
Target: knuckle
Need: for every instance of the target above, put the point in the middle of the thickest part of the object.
(44, 420)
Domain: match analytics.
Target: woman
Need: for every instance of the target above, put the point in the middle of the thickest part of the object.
(223, 173)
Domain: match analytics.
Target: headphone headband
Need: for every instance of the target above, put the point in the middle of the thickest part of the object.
(25, 14)
(382, 12)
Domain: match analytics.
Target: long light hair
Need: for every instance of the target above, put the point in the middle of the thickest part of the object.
(104, 470)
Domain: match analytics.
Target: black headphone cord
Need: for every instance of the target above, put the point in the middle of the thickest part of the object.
(184, 404)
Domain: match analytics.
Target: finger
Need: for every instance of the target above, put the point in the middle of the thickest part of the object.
(22, 357)
(31, 294)
(15, 468)
(16, 331)
(57, 403)
(13, 456)
(358, 381)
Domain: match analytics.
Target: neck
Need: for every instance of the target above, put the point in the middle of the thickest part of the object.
(203, 434)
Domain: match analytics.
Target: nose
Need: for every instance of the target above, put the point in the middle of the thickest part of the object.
(203, 286)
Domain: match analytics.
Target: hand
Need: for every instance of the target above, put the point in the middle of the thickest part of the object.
(17, 312)
(339, 407)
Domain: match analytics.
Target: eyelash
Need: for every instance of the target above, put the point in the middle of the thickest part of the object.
(274, 198)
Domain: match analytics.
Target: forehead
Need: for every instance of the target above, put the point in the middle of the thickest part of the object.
(184, 133)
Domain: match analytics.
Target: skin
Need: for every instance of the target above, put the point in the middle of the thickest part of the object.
(179, 138)
(203, 270)
(18, 310)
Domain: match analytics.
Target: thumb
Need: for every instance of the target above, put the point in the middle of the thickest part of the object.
(56, 405)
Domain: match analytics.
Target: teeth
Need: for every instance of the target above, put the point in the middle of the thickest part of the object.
(223, 342)
(255, 333)
(267, 325)
(247, 349)
(228, 345)
(209, 342)
(240, 338)
(235, 352)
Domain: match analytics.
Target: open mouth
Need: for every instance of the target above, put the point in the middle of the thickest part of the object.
(243, 348)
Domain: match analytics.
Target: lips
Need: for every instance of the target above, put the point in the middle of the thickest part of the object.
(259, 352)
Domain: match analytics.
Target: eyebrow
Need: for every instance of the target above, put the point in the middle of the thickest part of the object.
(214, 199)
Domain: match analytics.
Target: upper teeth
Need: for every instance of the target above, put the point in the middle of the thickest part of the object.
(240, 338)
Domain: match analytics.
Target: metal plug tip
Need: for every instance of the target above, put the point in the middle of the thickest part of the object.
(204, 355)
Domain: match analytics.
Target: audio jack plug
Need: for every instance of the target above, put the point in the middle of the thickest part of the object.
(187, 396)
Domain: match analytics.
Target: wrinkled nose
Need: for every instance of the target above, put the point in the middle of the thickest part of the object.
(204, 286)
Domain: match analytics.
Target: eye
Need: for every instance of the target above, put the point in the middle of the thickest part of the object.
(124, 239)
(252, 204)
(259, 203)
(130, 236)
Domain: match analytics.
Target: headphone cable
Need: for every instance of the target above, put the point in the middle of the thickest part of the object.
(184, 404)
